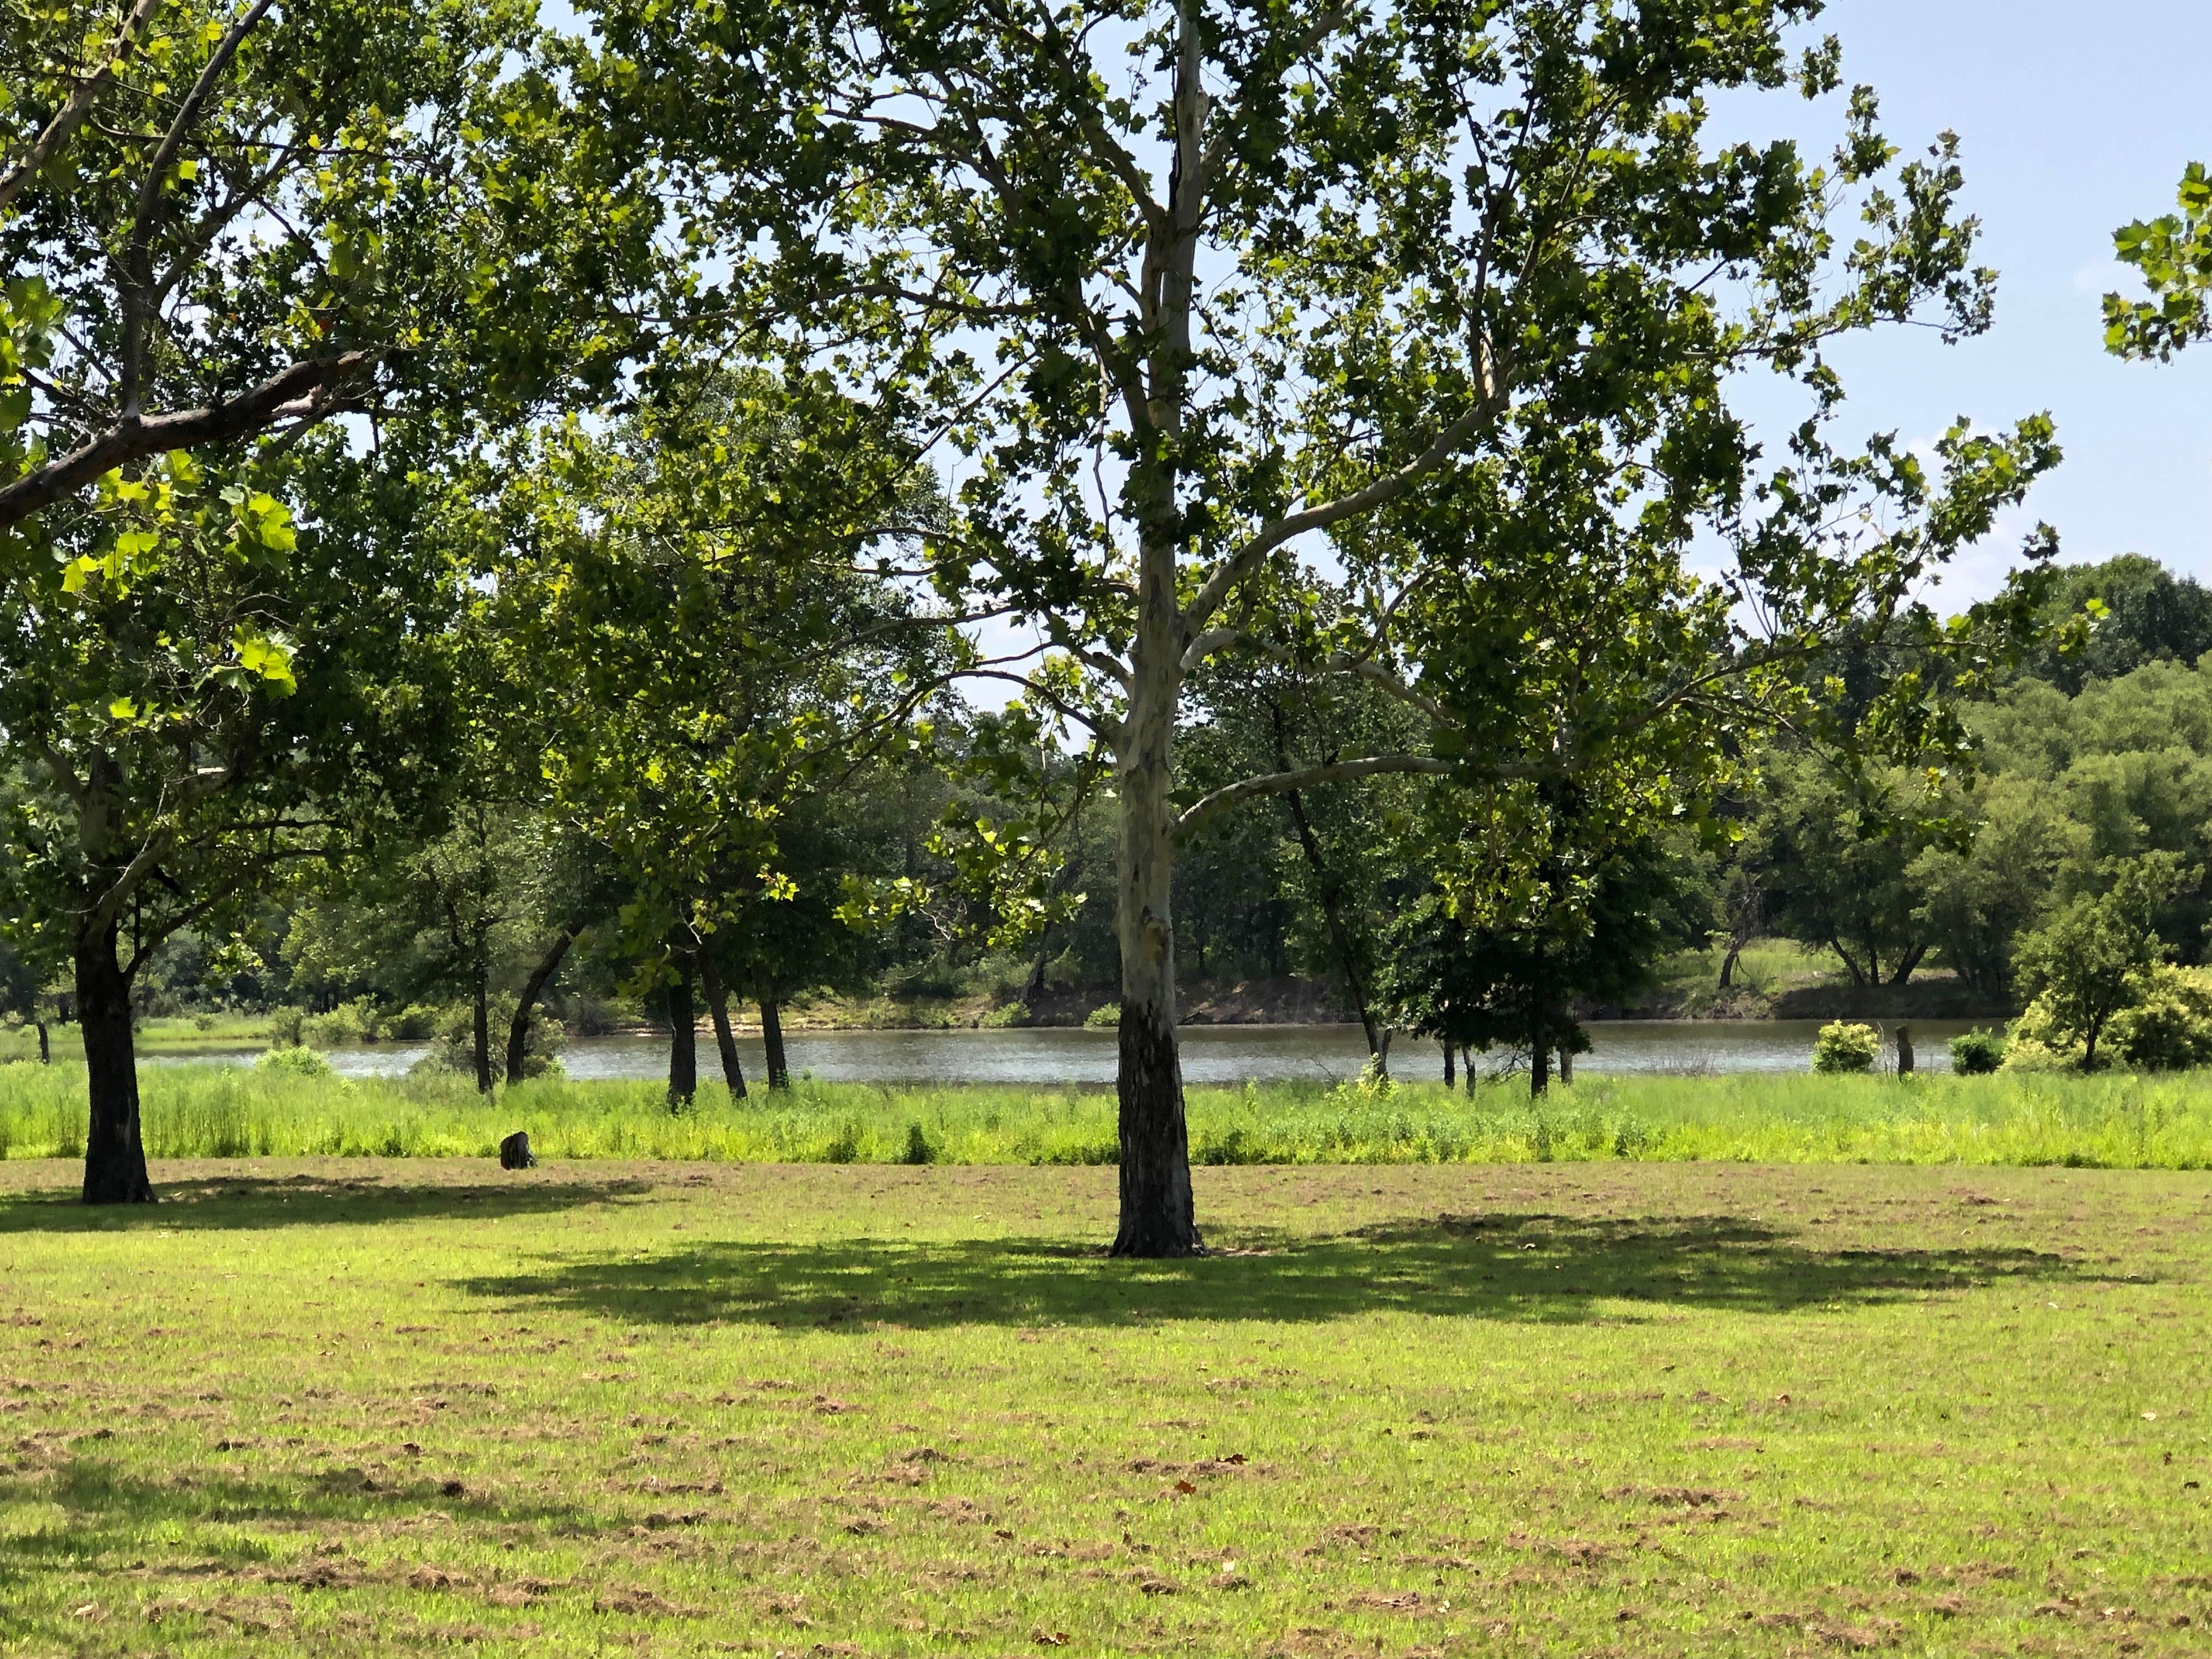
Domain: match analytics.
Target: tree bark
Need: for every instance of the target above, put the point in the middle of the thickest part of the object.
(1727, 965)
(480, 989)
(1158, 1215)
(1902, 973)
(114, 1148)
(726, 1042)
(1566, 1064)
(1449, 1077)
(779, 1072)
(45, 1047)
(683, 1043)
(517, 1030)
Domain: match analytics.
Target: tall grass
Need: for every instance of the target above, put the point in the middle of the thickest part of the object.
(218, 1111)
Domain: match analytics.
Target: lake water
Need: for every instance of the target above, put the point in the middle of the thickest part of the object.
(1210, 1054)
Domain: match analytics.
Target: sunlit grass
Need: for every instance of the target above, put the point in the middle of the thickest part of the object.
(362, 1406)
(212, 1111)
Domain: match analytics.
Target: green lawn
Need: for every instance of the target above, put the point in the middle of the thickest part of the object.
(361, 1406)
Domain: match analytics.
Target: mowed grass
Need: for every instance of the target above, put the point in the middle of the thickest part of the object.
(2113, 1120)
(355, 1406)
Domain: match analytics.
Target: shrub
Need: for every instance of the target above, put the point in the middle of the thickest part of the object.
(1106, 1018)
(345, 1026)
(2169, 1027)
(1976, 1053)
(1006, 1015)
(413, 1023)
(453, 1046)
(1842, 1046)
(293, 1062)
(918, 1149)
(203, 1022)
(285, 1025)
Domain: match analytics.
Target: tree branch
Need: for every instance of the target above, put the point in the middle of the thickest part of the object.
(1276, 783)
(293, 393)
(1380, 493)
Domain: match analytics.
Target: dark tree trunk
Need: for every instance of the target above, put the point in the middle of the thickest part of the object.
(1033, 988)
(1566, 1064)
(482, 1028)
(46, 1046)
(1467, 1067)
(1449, 1077)
(1851, 962)
(517, 1030)
(1332, 907)
(1158, 1216)
(726, 1042)
(114, 1148)
(1540, 1052)
(683, 1043)
(778, 1071)
(1903, 972)
(1727, 965)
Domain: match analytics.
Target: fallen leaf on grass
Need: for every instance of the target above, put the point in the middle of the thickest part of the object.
(1050, 1638)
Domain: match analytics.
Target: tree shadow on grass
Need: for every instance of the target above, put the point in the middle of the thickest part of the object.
(236, 1202)
(1520, 1267)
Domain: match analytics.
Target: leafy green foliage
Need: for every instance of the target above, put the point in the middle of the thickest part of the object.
(2173, 255)
(1977, 1053)
(1842, 1046)
(2091, 960)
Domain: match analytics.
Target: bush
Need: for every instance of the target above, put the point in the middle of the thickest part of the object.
(1976, 1053)
(1005, 1016)
(293, 1062)
(286, 1026)
(413, 1023)
(2169, 1027)
(1107, 1019)
(590, 1016)
(1842, 1046)
(454, 1046)
(918, 1149)
(346, 1026)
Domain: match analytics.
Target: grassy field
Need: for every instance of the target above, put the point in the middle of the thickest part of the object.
(2113, 1120)
(359, 1407)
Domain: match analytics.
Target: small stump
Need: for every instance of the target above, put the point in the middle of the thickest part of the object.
(514, 1151)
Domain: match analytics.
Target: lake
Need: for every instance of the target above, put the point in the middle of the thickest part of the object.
(1210, 1054)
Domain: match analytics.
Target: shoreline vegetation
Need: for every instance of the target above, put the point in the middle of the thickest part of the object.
(1773, 979)
(2111, 1120)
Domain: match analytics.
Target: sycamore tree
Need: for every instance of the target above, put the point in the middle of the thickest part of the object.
(1214, 302)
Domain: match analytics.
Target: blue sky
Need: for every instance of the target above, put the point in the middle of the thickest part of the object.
(2073, 118)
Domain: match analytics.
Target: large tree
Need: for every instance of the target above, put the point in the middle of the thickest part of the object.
(1209, 295)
